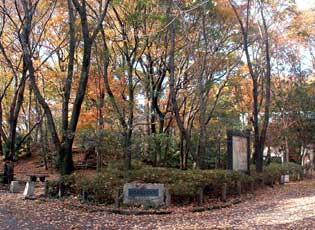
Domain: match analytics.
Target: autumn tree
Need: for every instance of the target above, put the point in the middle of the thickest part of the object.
(64, 145)
(259, 70)
(19, 18)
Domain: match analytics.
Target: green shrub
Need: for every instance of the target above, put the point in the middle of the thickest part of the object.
(181, 184)
(67, 184)
(293, 169)
(187, 183)
(273, 171)
(99, 187)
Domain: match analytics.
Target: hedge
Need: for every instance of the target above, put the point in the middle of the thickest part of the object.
(100, 187)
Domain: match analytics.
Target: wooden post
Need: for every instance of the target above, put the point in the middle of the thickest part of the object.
(200, 196)
(85, 196)
(46, 188)
(223, 192)
(117, 198)
(167, 197)
(61, 190)
(239, 188)
(252, 186)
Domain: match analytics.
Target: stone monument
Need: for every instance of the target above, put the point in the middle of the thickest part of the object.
(238, 144)
(146, 194)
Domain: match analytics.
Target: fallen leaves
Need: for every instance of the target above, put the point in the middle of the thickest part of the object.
(284, 207)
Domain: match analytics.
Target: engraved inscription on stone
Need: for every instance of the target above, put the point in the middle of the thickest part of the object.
(137, 193)
(142, 192)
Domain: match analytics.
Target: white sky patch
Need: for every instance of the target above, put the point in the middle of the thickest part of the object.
(305, 4)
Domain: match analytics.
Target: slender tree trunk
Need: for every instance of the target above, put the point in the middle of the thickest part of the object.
(13, 118)
(182, 154)
(66, 150)
(180, 123)
(287, 158)
(157, 140)
(156, 113)
(267, 77)
(27, 59)
(259, 135)
(44, 142)
(29, 122)
(125, 132)
(127, 151)
(148, 121)
(1, 125)
(258, 153)
(68, 81)
(88, 40)
(166, 148)
(201, 149)
(100, 123)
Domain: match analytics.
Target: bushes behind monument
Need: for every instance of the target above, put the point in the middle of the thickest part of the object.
(101, 187)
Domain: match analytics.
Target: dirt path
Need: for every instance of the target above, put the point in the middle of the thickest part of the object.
(284, 207)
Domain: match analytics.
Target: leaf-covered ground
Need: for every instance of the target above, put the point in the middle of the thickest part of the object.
(283, 207)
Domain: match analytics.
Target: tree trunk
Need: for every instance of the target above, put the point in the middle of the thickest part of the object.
(201, 149)
(148, 126)
(100, 125)
(287, 158)
(258, 153)
(259, 135)
(8, 172)
(127, 152)
(44, 142)
(65, 158)
(184, 152)
(29, 123)
(13, 118)
(98, 159)
(1, 125)
(180, 123)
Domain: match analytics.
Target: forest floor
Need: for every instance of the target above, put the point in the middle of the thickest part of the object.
(283, 207)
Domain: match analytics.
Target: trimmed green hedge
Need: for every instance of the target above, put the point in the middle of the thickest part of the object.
(100, 187)
(273, 171)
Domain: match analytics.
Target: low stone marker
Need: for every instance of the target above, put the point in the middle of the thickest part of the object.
(146, 194)
(29, 189)
(284, 179)
(14, 187)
